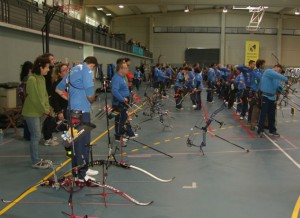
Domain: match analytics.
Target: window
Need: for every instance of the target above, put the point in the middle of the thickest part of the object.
(91, 21)
(74, 13)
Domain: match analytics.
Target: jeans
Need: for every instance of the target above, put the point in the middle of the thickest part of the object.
(120, 121)
(268, 108)
(198, 99)
(81, 147)
(245, 102)
(49, 126)
(34, 127)
(210, 91)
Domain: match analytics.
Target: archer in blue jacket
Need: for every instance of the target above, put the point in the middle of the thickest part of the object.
(178, 88)
(245, 82)
(211, 78)
(255, 84)
(137, 78)
(120, 99)
(198, 86)
(270, 84)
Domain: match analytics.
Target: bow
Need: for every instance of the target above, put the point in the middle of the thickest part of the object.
(187, 94)
(32, 188)
(191, 141)
(127, 166)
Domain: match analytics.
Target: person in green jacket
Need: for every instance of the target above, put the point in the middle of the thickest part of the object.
(35, 106)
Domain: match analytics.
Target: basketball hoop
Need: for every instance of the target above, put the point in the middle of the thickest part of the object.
(71, 9)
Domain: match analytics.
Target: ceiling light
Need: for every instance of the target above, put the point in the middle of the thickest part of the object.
(121, 6)
(297, 12)
(100, 9)
(108, 14)
(225, 10)
(186, 10)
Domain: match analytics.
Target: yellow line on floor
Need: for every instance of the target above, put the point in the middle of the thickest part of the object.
(156, 143)
(186, 135)
(135, 150)
(177, 137)
(34, 188)
(214, 130)
(223, 128)
(124, 153)
(145, 146)
(167, 140)
(296, 209)
(230, 127)
(101, 135)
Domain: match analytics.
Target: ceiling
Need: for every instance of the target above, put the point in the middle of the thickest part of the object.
(161, 7)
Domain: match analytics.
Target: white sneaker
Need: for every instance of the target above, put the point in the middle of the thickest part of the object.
(87, 178)
(54, 138)
(123, 139)
(41, 165)
(51, 142)
(194, 106)
(134, 136)
(91, 172)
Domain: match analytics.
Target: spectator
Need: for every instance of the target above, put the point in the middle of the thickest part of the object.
(24, 75)
(35, 106)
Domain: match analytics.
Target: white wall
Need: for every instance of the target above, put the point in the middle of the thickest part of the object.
(19, 46)
(173, 45)
(137, 29)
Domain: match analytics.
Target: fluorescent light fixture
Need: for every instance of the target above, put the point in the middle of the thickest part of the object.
(100, 9)
(121, 6)
(108, 14)
(248, 7)
(297, 12)
(186, 10)
(225, 10)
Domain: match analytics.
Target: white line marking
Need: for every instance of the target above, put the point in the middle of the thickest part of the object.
(194, 185)
(286, 154)
(5, 142)
(289, 142)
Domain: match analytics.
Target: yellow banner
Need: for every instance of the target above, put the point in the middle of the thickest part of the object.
(252, 51)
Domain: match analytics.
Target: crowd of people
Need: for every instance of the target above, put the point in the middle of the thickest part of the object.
(50, 90)
(252, 90)
(103, 29)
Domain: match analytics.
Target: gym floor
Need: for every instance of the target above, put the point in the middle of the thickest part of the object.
(227, 182)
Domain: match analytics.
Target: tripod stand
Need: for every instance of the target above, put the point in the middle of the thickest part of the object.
(204, 129)
(75, 172)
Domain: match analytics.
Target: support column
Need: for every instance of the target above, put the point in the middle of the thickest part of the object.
(222, 38)
(150, 35)
(279, 39)
(82, 13)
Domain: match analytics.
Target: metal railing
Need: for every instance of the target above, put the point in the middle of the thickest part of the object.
(23, 13)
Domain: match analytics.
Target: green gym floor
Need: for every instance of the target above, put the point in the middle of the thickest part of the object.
(225, 183)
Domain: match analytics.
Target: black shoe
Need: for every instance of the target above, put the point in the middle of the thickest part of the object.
(275, 134)
(260, 133)
(197, 109)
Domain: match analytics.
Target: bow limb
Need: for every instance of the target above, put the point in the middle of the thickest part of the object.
(150, 174)
(124, 195)
(32, 188)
